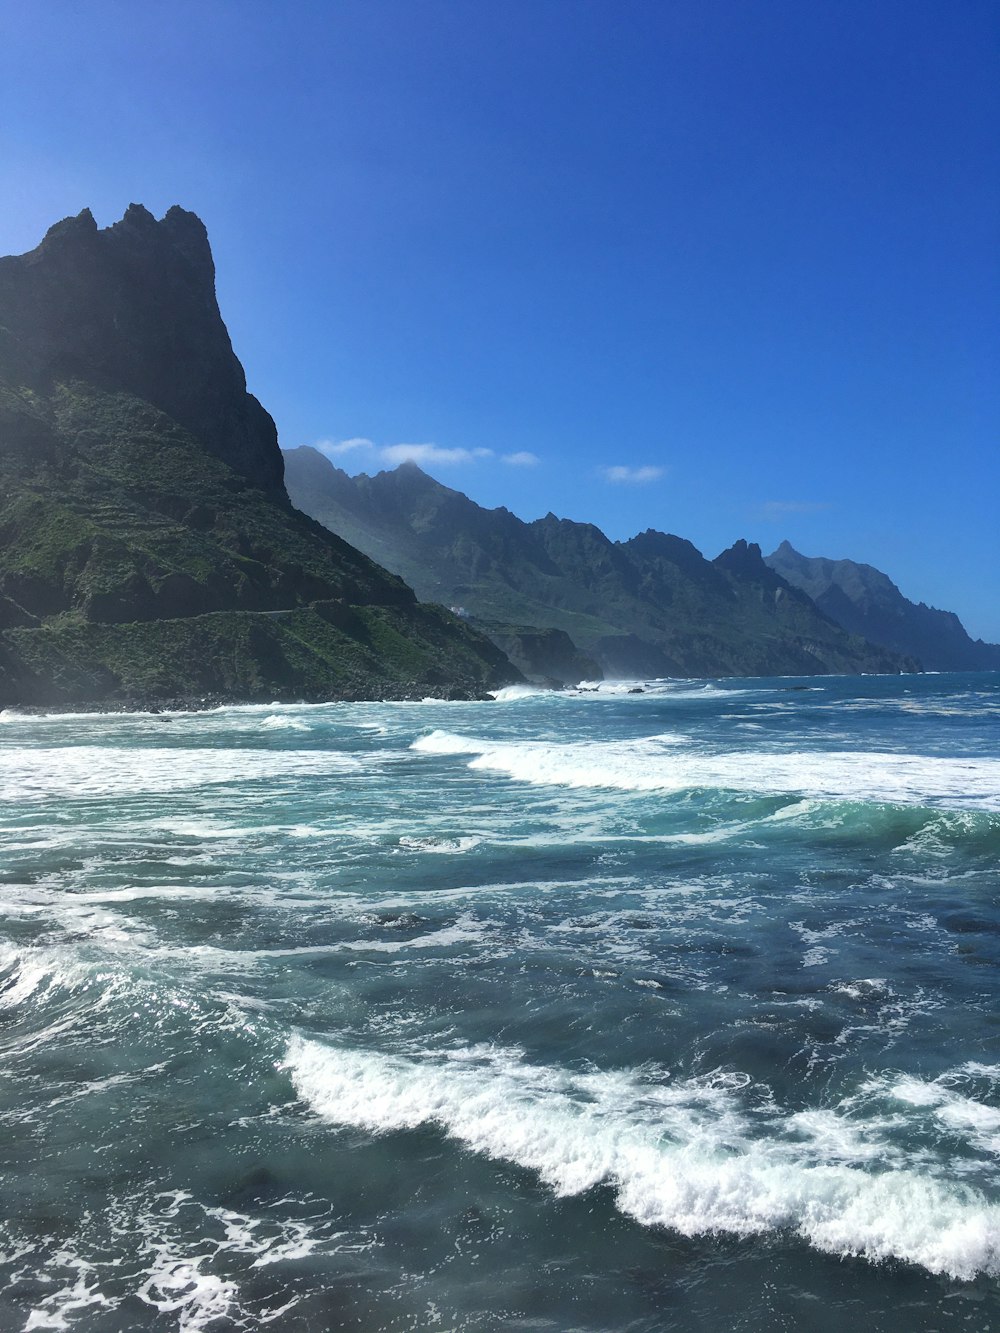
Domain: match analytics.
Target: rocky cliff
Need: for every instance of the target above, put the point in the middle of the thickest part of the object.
(148, 551)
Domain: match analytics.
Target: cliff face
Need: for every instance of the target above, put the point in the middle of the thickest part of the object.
(132, 308)
(649, 606)
(865, 601)
(147, 547)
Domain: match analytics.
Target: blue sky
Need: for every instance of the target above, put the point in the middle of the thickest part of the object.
(719, 267)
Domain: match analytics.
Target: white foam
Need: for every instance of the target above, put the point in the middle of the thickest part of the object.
(940, 836)
(446, 742)
(439, 846)
(613, 688)
(47, 772)
(687, 1157)
(78, 1293)
(282, 722)
(445, 938)
(86, 915)
(180, 1246)
(972, 1120)
(35, 972)
(513, 693)
(640, 766)
(863, 989)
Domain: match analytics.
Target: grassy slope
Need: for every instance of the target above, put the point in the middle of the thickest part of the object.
(135, 566)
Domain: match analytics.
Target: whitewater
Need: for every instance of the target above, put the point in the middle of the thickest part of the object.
(657, 1005)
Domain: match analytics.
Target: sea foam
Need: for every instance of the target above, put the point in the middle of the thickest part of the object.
(46, 772)
(660, 764)
(686, 1157)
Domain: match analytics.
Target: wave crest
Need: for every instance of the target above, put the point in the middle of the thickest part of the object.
(684, 1157)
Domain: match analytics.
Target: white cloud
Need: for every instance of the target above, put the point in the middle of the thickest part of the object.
(632, 476)
(334, 448)
(430, 453)
(523, 458)
(393, 454)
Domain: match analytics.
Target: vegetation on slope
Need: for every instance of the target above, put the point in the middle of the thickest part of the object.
(137, 562)
(652, 605)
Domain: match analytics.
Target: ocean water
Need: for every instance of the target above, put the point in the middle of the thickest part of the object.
(593, 1011)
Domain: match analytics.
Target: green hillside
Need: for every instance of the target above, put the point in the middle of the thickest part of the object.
(148, 552)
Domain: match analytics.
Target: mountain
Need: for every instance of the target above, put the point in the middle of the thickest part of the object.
(865, 601)
(148, 551)
(649, 606)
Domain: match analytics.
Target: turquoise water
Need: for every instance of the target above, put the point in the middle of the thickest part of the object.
(599, 1011)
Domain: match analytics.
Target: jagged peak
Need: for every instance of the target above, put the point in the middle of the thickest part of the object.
(67, 229)
(137, 215)
(182, 231)
(305, 449)
(408, 473)
(742, 550)
(132, 307)
(669, 540)
(313, 458)
(744, 560)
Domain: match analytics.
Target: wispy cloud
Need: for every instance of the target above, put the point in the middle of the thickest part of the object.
(433, 454)
(632, 476)
(430, 453)
(523, 458)
(337, 448)
(773, 511)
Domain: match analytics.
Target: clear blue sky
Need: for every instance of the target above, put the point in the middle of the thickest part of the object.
(744, 252)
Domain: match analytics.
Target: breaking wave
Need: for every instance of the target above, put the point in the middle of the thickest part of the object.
(688, 1157)
(659, 764)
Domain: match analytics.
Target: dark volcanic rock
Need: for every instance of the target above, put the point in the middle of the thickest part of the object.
(546, 656)
(148, 552)
(132, 307)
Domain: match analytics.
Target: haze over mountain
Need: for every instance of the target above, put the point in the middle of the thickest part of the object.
(866, 601)
(649, 606)
(147, 547)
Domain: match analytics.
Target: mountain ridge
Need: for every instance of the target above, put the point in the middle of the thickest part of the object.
(865, 601)
(651, 605)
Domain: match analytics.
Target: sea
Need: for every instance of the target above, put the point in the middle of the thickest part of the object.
(656, 1005)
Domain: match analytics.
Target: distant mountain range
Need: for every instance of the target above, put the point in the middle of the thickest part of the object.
(866, 601)
(148, 551)
(554, 591)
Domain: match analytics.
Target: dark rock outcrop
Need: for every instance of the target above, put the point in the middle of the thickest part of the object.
(545, 656)
(132, 308)
(148, 550)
